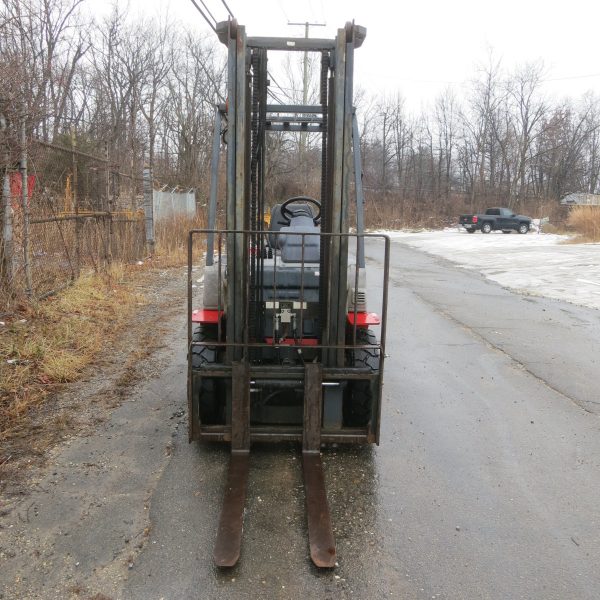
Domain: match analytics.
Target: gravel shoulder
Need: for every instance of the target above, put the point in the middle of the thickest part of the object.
(73, 520)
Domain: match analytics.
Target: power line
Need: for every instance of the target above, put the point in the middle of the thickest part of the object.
(275, 97)
(306, 26)
(208, 11)
(589, 75)
(228, 9)
(281, 89)
(205, 17)
(283, 10)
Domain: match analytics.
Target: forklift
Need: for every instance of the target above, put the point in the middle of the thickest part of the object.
(283, 348)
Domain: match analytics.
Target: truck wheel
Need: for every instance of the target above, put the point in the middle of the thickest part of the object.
(523, 228)
(208, 390)
(358, 401)
(486, 227)
(470, 231)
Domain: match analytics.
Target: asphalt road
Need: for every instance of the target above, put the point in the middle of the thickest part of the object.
(486, 483)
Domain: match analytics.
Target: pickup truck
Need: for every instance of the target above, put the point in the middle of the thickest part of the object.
(495, 219)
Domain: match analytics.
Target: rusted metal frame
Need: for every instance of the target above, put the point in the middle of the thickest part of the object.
(238, 253)
(346, 158)
(358, 190)
(380, 236)
(219, 283)
(382, 336)
(252, 201)
(313, 401)
(208, 433)
(295, 128)
(291, 44)
(320, 531)
(337, 346)
(302, 290)
(294, 119)
(249, 344)
(231, 172)
(324, 99)
(260, 372)
(263, 72)
(246, 307)
(274, 300)
(336, 272)
(192, 433)
(354, 326)
(240, 407)
(229, 534)
(294, 108)
(214, 182)
(58, 218)
(258, 430)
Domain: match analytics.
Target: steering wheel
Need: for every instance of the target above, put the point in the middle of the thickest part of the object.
(287, 214)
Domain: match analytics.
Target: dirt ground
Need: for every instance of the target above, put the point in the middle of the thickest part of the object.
(76, 418)
(484, 485)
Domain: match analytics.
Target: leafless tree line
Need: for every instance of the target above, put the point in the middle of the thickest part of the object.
(503, 144)
(147, 87)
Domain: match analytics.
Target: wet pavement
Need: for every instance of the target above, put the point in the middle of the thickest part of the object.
(485, 485)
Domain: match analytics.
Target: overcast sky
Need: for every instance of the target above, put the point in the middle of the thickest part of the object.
(419, 47)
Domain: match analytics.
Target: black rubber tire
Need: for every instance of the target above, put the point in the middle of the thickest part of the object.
(209, 391)
(470, 231)
(486, 227)
(523, 228)
(358, 401)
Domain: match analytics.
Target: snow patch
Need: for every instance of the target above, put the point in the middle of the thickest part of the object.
(536, 264)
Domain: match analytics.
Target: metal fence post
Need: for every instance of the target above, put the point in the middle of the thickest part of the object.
(149, 209)
(75, 198)
(109, 208)
(6, 252)
(25, 208)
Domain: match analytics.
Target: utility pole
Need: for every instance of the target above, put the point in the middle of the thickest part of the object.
(306, 26)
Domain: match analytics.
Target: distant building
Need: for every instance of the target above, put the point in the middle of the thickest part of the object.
(580, 199)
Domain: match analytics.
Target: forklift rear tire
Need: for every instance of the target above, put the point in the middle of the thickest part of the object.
(359, 393)
(209, 390)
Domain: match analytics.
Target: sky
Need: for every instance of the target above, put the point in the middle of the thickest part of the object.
(420, 47)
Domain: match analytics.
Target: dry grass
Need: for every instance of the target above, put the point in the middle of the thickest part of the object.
(51, 342)
(171, 239)
(48, 343)
(585, 221)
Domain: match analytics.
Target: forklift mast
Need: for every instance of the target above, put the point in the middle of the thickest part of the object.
(249, 117)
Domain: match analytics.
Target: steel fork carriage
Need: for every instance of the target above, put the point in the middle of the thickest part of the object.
(282, 349)
(245, 368)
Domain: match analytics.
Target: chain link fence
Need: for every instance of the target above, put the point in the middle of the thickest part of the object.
(65, 210)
